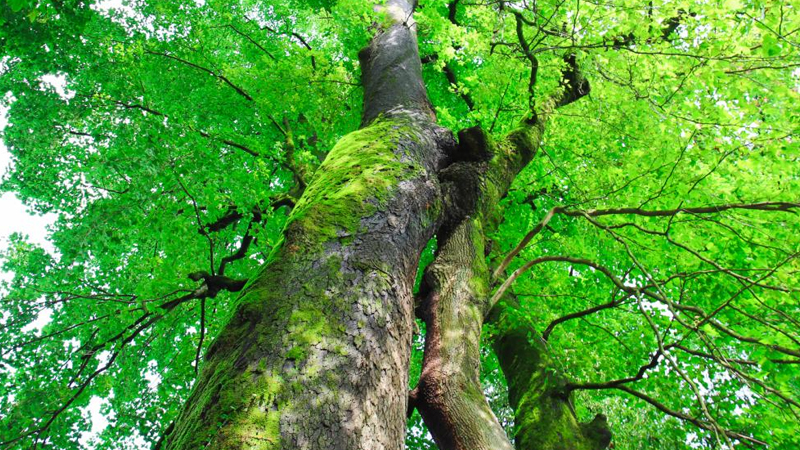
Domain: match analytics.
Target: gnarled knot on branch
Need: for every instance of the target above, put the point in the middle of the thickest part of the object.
(573, 82)
(464, 178)
(213, 284)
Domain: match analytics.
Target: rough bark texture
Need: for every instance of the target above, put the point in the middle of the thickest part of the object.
(543, 414)
(316, 352)
(391, 68)
(449, 395)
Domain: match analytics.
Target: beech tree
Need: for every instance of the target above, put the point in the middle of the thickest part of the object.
(550, 225)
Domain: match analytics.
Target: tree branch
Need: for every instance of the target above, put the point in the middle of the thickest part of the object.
(569, 387)
(293, 34)
(219, 76)
(763, 206)
(252, 41)
(247, 239)
(685, 417)
(524, 242)
(576, 315)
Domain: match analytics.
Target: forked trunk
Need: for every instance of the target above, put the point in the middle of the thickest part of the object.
(316, 354)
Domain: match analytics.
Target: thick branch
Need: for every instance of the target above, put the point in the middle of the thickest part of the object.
(764, 206)
(247, 239)
(543, 413)
(449, 395)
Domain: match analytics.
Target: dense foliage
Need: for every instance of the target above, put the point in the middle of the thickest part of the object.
(176, 136)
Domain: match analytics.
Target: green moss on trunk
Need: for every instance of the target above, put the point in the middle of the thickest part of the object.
(316, 352)
(355, 181)
(544, 416)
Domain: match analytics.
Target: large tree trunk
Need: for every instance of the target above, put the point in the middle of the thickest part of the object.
(316, 353)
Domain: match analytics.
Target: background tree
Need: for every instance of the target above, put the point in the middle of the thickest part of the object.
(621, 256)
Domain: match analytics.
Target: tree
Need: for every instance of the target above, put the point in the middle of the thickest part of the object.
(589, 208)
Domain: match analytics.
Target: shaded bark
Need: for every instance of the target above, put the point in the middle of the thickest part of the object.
(316, 352)
(543, 413)
(449, 394)
(391, 68)
(455, 287)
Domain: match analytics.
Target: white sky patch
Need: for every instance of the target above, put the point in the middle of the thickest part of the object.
(693, 440)
(103, 357)
(747, 399)
(44, 317)
(125, 13)
(58, 83)
(662, 308)
(152, 376)
(98, 420)
(796, 76)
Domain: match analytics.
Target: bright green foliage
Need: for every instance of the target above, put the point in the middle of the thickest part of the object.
(172, 118)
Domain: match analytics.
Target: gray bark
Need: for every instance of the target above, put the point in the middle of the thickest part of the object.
(316, 353)
(449, 395)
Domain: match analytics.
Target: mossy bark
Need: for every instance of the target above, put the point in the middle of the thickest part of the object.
(316, 354)
(543, 414)
(455, 288)
(449, 395)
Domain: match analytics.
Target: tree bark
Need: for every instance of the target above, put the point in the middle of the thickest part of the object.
(544, 417)
(449, 395)
(316, 353)
(455, 287)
